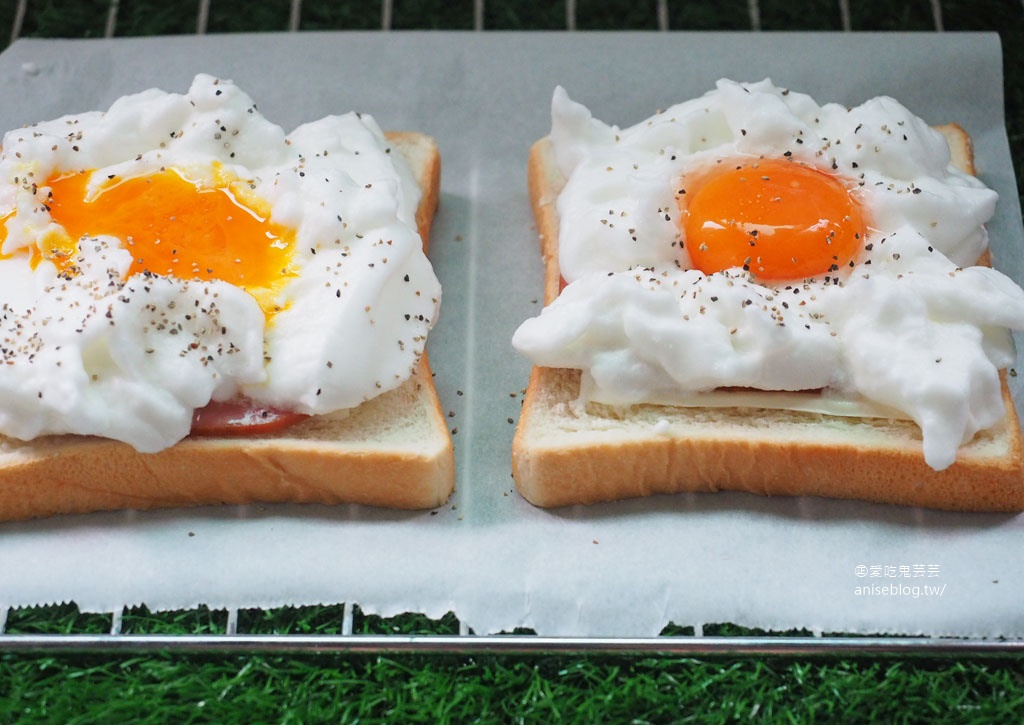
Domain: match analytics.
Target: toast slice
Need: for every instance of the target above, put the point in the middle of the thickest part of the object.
(393, 451)
(564, 455)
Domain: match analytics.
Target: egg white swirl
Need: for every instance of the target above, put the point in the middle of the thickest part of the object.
(909, 325)
(131, 357)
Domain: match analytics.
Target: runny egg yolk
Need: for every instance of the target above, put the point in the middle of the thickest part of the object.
(780, 220)
(177, 227)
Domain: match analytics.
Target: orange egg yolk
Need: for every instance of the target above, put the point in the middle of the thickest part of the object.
(177, 227)
(780, 220)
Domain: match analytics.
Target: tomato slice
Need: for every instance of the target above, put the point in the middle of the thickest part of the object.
(241, 417)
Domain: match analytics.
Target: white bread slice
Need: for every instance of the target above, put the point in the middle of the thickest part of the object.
(394, 450)
(564, 456)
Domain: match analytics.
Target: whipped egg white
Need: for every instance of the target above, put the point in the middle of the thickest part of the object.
(908, 328)
(96, 343)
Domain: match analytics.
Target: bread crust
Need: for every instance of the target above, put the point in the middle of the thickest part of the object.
(564, 454)
(393, 451)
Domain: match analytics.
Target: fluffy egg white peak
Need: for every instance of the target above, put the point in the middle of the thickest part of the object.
(908, 324)
(94, 344)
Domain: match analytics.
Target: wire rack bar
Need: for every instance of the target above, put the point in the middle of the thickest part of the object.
(937, 15)
(202, 17)
(754, 11)
(108, 29)
(231, 627)
(780, 646)
(468, 643)
(19, 19)
(347, 618)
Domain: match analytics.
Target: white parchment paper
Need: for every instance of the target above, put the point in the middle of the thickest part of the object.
(618, 569)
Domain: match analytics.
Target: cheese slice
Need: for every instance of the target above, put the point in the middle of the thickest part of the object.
(824, 402)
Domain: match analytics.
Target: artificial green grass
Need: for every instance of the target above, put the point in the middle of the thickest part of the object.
(491, 689)
(486, 688)
(498, 689)
(306, 620)
(167, 687)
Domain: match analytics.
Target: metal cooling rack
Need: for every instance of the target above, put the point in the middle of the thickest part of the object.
(347, 642)
(466, 642)
(661, 11)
